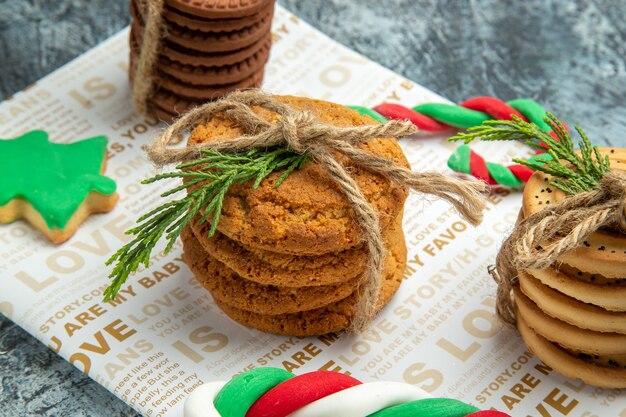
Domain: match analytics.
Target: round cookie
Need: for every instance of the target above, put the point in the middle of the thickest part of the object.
(203, 82)
(308, 214)
(611, 361)
(193, 57)
(162, 114)
(590, 278)
(220, 41)
(224, 284)
(566, 335)
(227, 74)
(199, 76)
(201, 24)
(174, 104)
(216, 25)
(603, 253)
(569, 365)
(209, 41)
(331, 318)
(611, 298)
(218, 9)
(272, 268)
(211, 92)
(570, 310)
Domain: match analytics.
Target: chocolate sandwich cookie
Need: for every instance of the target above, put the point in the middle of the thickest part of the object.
(171, 103)
(308, 214)
(218, 9)
(601, 371)
(208, 76)
(166, 105)
(188, 56)
(175, 104)
(202, 24)
(570, 310)
(272, 268)
(225, 285)
(331, 318)
(193, 94)
(603, 252)
(226, 74)
(209, 41)
(216, 25)
(174, 97)
(163, 115)
(566, 335)
(203, 93)
(178, 76)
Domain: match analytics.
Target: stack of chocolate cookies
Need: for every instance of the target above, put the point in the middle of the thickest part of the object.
(573, 315)
(289, 259)
(209, 48)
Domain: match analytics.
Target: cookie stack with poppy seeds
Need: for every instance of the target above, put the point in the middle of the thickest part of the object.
(209, 48)
(573, 314)
(290, 259)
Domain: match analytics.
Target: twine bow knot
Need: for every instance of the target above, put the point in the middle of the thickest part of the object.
(302, 132)
(539, 240)
(296, 129)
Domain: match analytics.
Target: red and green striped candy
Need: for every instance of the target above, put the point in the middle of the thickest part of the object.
(437, 117)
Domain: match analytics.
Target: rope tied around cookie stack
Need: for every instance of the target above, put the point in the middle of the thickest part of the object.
(143, 83)
(540, 239)
(302, 132)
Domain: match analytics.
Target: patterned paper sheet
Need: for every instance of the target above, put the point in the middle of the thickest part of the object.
(163, 335)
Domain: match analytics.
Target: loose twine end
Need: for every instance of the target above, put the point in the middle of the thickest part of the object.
(302, 132)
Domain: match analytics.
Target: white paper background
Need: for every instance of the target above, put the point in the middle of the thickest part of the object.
(167, 335)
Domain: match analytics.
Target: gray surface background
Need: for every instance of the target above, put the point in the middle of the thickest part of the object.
(568, 55)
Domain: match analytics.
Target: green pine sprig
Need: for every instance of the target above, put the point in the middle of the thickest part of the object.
(207, 180)
(573, 173)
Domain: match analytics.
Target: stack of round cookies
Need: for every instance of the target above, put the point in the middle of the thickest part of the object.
(573, 315)
(290, 259)
(209, 48)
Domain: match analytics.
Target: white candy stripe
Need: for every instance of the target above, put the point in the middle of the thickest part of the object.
(200, 401)
(361, 400)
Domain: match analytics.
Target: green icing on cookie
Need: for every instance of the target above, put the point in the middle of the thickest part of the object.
(54, 178)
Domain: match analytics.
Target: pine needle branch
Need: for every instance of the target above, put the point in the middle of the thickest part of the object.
(573, 172)
(207, 181)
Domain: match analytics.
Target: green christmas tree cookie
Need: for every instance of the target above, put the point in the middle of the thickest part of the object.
(53, 186)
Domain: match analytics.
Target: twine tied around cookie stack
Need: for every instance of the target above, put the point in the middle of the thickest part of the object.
(301, 132)
(561, 273)
(539, 240)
